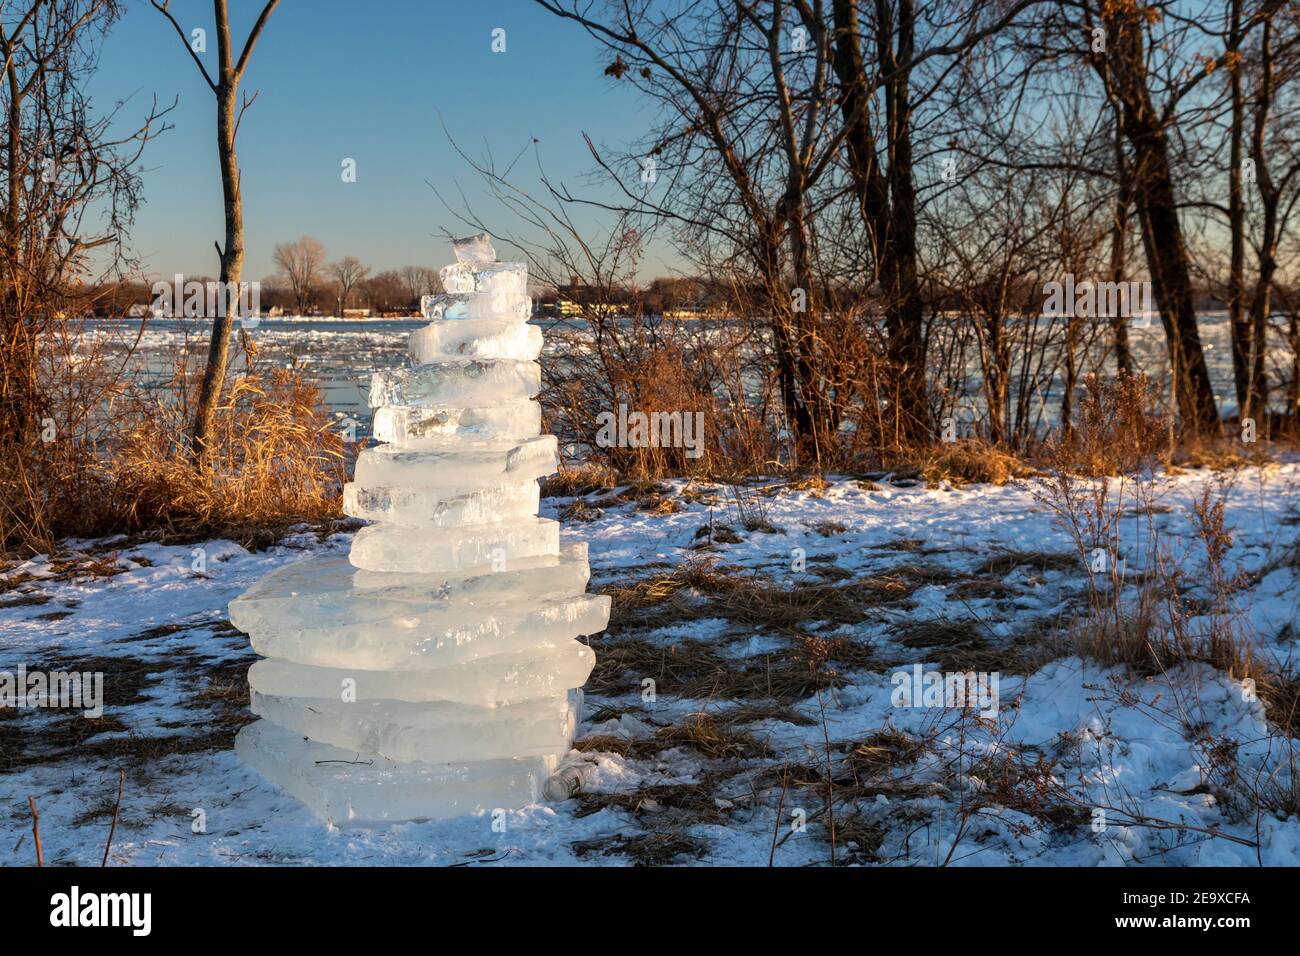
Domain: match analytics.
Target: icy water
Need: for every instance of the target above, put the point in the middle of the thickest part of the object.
(338, 355)
(341, 355)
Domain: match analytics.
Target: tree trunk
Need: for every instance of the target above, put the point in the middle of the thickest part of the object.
(1171, 285)
(19, 386)
(1238, 323)
(1162, 232)
(906, 334)
(778, 307)
(1256, 399)
(821, 419)
(1293, 389)
(225, 87)
(888, 204)
(1119, 323)
(232, 265)
(995, 363)
(1071, 375)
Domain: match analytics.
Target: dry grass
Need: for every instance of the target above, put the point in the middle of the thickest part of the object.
(1116, 432)
(579, 510)
(697, 671)
(815, 484)
(1005, 562)
(1028, 784)
(972, 462)
(604, 743)
(713, 534)
(1280, 692)
(649, 849)
(751, 713)
(705, 734)
(1169, 614)
(666, 810)
(629, 598)
(977, 589)
(829, 529)
(883, 752)
(1219, 453)
(573, 481)
(217, 694)
(663, 371)
(756, 602)
(961, 645)
(274, 461)
(883, 764)
(910, 545)
(941, 632)
(712, 737)
(858, 840)
(1147, 631)
(657, 504)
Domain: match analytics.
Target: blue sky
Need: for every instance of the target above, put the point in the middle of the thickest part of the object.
(373, 81)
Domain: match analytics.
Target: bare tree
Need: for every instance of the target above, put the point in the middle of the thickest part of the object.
(742, 150)
(419, 281)
(301, 262)
(384, 291)
(348, 272)
(230, 72)
(1119, 251)
(1124, 66)
(1237, 321)
(69, 187)
(1275, 163)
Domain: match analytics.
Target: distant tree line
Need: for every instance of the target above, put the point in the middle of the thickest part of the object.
(307, 283)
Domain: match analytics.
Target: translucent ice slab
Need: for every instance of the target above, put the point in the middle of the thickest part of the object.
(506, 277)
(452, 341)
(468, 384)
(347, 788)
(477, 307)
(435, 732)
(437, 508)
(476, 249)
(456, 465)
(389, 547)
(498, 679)
(439, 636)
(405, 424)
(330, 592)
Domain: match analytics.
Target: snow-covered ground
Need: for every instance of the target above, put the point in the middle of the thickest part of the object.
(1079, 765)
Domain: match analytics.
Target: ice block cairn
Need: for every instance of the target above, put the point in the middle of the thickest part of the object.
(433, 671)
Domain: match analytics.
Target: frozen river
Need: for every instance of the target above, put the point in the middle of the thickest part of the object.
(341, 355)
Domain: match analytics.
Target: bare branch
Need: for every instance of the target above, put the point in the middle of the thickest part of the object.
(180, 32)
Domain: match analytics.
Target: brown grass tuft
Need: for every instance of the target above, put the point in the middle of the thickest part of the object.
(1116, 432)
(757, 602)
(972, 462)
(648, 849)
(573, 481)
(273, 461)
(704, 733)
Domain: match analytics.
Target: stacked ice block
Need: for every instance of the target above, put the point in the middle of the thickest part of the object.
(434, 671)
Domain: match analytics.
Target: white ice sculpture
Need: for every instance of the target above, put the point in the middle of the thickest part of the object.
(434, 671)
